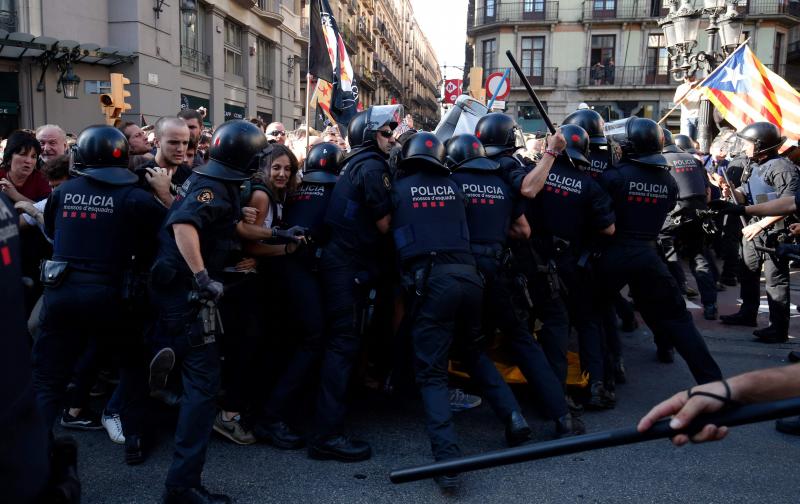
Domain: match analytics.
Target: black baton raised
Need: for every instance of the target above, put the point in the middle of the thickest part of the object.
(741, 415)
(531, 92)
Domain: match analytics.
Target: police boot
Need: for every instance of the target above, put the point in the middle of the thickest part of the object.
(600, 398)
(788, 426)
(279, 435)
(160, 367)
(793, 356)
(710, 312)
(517, 429)
(340, 448)
(448, 483)
(738, 319)
(66, 487)
(665, 355)
(771, 334)
(575, 408)
(193, 495)
(134, 453)
(568, 426)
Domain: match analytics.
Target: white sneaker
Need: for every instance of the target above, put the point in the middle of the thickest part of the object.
(113, 426)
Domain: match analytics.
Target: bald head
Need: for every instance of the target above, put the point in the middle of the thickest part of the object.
(172, 140)
(53, 140)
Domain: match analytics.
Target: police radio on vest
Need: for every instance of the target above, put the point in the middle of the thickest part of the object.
(89, 200)
(441, 190)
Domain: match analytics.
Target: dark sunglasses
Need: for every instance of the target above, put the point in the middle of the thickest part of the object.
(385, 134)
(276, 133)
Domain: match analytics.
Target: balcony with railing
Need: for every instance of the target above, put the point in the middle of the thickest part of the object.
(621, 10)
(772, 8)
(366, 78)
(8, 20)
(352, 6)
(538, 76)
(195, 61)
(517, 13)
(269, 10)
(624, 77)
(264, 83)
(364, 33)
(349, 38)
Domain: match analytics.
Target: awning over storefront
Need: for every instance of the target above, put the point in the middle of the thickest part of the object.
(18, 45)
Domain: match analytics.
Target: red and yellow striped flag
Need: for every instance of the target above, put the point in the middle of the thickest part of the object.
(745, 91)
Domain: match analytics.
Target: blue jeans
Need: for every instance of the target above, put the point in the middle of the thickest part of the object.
(689, 127)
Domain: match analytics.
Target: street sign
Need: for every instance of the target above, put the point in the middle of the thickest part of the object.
(499, 105)
(452, 90)
(495, 80)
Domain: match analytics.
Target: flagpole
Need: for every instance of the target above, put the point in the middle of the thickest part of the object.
(700, 84)
(308, 87)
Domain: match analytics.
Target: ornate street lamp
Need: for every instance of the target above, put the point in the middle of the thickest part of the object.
(188, 10)
(681, 26)
(70, 82)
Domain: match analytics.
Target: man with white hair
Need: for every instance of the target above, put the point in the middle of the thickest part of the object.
(53, 140)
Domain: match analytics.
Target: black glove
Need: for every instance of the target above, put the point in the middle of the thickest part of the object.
(209, 288)
(293, 233)
(724, 207)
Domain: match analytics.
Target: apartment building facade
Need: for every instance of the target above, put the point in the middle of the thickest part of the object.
(610, 54)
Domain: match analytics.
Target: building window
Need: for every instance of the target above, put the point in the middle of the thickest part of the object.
(602, 48)
(489, 52)
(192, 57)
(604, 8)
(533, 9)
(489, 10)
(777, 67)
(657, 60)
(97, 87)
(533, 59)
(265, 65)
(233, 48)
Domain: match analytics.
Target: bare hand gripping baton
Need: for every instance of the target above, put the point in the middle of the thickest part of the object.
(741, 415)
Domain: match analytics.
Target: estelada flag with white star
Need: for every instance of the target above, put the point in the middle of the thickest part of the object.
(745, 91)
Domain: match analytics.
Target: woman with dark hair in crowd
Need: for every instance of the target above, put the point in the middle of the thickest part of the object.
(20, 179)
(242, 343)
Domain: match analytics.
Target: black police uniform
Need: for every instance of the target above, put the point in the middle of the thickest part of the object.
(24, 466)
(431, 235)
(566, 215)
(359, 199)
(212, 207)
(299, 277)
(775, 177)
(492, 206)
(96, 228)
(548, 304)
(180, 175)
(642, 197)
(683, 235)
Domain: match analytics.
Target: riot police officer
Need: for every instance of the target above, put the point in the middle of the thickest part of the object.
(568, 215)
(500, 135)
(98, 222)
(305, 207)
(684, 234)
(770, 176)
(431, 236)
(494, 212)
(643, 193)
(194, 243)
(358, 214)
(592, 123)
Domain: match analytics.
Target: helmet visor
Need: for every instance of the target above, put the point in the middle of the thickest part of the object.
(382, 115)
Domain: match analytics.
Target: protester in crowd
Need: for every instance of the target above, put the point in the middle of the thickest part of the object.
(53, 140)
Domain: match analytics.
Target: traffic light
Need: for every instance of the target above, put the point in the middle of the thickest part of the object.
(113, 104)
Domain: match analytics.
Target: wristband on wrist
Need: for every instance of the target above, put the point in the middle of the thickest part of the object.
(551, 152)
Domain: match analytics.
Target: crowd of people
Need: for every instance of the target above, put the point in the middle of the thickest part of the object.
(237, 276)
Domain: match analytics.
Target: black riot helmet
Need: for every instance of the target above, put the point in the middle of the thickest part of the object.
(362, 127)
(101, 153)
(233, 153)
(323, 163)
(637, 139)
(669, 142)
(684, 143)
(466, 152)
(765, 136)
(577, 143)
(590, 121)
(423, 150)
(499, 133)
